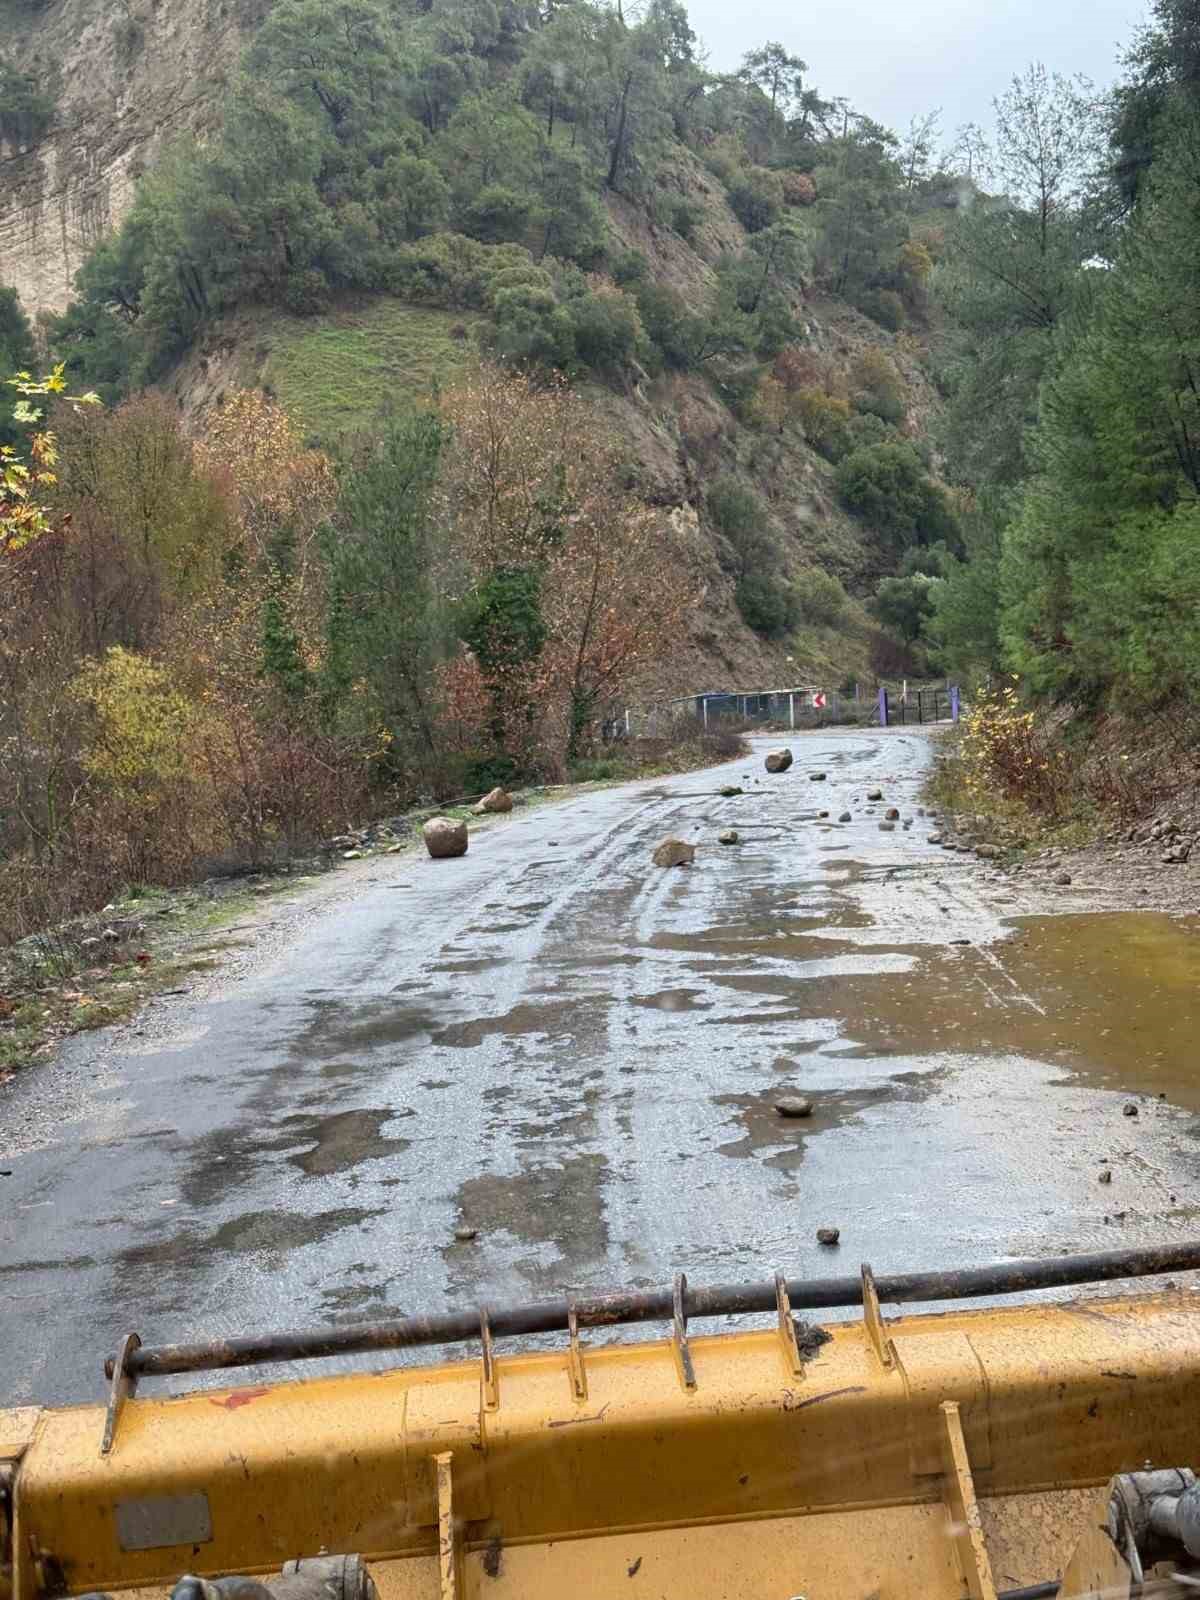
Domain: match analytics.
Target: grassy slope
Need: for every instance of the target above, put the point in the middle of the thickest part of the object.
(337, 373)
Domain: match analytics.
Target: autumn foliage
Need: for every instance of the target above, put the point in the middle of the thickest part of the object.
(213, 649)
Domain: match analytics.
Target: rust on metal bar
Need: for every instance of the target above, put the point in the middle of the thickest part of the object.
(792, 1358)
(873, 1321)
(575, 1354)
(124, 1382)
(609, 1310)
(488, 1379)
(679, 1339)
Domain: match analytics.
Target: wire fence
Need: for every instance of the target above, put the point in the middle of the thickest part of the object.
(804, 706)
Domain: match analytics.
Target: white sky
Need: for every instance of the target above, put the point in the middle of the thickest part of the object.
(894, 58)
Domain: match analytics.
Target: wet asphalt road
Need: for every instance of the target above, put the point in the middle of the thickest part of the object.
(577, 1054)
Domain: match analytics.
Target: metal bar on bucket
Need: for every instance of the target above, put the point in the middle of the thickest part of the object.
(610, 1310)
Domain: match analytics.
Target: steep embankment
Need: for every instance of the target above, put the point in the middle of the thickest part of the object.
(339, 373)
(127, 79)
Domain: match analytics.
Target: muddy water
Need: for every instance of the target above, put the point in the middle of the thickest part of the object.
(1114, 998)
(578, 1057)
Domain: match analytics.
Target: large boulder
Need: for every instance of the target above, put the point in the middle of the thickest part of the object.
(445, 837)
(494, 800)
(779, 760)
(674, 853)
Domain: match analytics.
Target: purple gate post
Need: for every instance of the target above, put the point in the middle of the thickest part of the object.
(883, 722)
(953, 702)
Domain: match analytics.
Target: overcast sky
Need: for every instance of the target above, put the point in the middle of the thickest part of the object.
(892, 58)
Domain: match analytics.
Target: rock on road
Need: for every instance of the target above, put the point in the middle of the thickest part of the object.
(577, 1056)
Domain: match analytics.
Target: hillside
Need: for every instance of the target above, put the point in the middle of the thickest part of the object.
(676, 242)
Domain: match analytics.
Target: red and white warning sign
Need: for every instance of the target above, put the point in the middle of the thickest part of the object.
(819, 699)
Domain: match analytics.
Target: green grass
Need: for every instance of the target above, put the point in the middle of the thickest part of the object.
(338, 373)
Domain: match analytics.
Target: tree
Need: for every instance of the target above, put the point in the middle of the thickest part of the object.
(1099, 570)
(905, 604)
(775, 72)
(916, 153)
(575, 582)
(17, 352)
(28, 474)
(388, 623)
(1012, 273)
(859, 205)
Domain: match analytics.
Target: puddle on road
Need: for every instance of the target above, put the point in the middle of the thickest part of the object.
(764, 1130)
(342, 1140)
(1115, 998)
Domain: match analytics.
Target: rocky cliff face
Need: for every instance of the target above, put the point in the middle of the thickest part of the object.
(131, 76)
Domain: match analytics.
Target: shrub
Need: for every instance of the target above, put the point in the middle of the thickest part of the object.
(606, 328)
(667, 323)
(735, 510)
(686, 217)
(628, 267)
(822, 598)
(768, 603)
(877, 387)
(798, 189)
(887, 486)
(883, 306)
(825, 421)
(755, 198)
(496, 215)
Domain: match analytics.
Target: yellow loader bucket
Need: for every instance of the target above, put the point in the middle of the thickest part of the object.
(1028, 1450)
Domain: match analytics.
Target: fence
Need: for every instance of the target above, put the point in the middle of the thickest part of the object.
(918, 705)
(801, 707)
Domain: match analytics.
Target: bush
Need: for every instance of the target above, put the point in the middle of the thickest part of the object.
(628, 267)
(798, 189)
(768, 603)
(686, 217)
(735, 510)
(755, 198)
(877, 387)
(825, 421)
(26, 110)
(822, 598)
(667, 323)
(606, 329)
(496, 215)
(883, 306)
(886, 485)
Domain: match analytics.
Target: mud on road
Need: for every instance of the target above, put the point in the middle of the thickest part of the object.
(575, 1057)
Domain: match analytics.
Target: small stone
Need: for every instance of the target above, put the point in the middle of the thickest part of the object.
(1062, 879)
(1130, 1109)
(816, 777)
(988, 852)
(892, 814)
(828, 1236)
(845, 817)
(731, 789)
(353, 855)
(674, 853)
(933, 838)
(778, 760)
(111, 935)
(1106, 1175)
(90, 943)
(822, 813)
(875, 794)
(445, 837)
(793, 1106)
(728, 836)
(466, 1234)
(887, 827)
